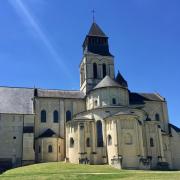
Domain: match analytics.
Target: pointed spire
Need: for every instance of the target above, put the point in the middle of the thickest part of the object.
(96, 41)
(121, 80)
(95, 30)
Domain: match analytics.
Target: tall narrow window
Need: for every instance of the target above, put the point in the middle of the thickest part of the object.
(68, 116)
(113, 101)
(157, 117)
(95, 103)
(50, 149)
(55, 116)
(43, 116)
(95, 70)
(151, 142)
(109, 140)
(88, 142)
(104, 70)
(99, 134)
(71, 142)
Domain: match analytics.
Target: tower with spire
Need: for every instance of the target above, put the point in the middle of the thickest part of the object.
(97, 61)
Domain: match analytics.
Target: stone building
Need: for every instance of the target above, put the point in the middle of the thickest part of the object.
(102, 123)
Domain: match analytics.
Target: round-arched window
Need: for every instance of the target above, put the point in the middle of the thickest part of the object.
(151, 142)
(88, 144)
(43, 116)
(50, 149)
(71, 142)
(68, 116)
(55, 116)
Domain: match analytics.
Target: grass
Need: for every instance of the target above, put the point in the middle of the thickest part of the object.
(59, 170)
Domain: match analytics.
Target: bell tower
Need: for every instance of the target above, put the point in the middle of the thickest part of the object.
(97, 61)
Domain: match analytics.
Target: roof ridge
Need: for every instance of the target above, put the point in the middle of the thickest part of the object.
(157, 94)
(13, 87)
(16, 87)
(58, 89)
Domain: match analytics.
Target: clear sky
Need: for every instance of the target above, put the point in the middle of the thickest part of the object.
(41, 43)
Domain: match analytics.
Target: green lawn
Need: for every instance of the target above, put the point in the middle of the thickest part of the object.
(72, 171)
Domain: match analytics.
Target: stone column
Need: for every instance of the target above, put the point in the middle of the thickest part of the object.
(81, 139)
(115, 137)
(141, 140)
(93, 145)
(93, 137)
(160, 144)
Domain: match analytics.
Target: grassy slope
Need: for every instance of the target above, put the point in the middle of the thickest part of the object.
(71, 171)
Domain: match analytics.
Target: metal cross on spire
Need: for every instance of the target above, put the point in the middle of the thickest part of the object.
(93, 12)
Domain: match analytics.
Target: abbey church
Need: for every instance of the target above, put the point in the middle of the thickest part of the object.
(102, 123)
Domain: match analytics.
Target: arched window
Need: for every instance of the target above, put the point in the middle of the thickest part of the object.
(88, 144)
(104, 70)
(113, 100)
(128, 139)
(71, 142)
(99, 134)
(55, 116)
(95, 70)
(157, 117)
(109, 140)
(43, 116)
(50, 149)
(151, 142)
(68, 116)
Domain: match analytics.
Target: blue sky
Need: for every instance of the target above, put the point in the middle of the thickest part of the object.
(41, 43)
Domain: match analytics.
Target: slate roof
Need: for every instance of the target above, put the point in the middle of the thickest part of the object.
(16, 100)
(174, 127)
(121, 80)
(107, 82)
(60, 94)
(140, 98)
(95, 30)
(47, 133)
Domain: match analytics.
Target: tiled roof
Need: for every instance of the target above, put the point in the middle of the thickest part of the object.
(16, 100)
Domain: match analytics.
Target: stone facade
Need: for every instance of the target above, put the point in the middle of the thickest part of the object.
(103, 123)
